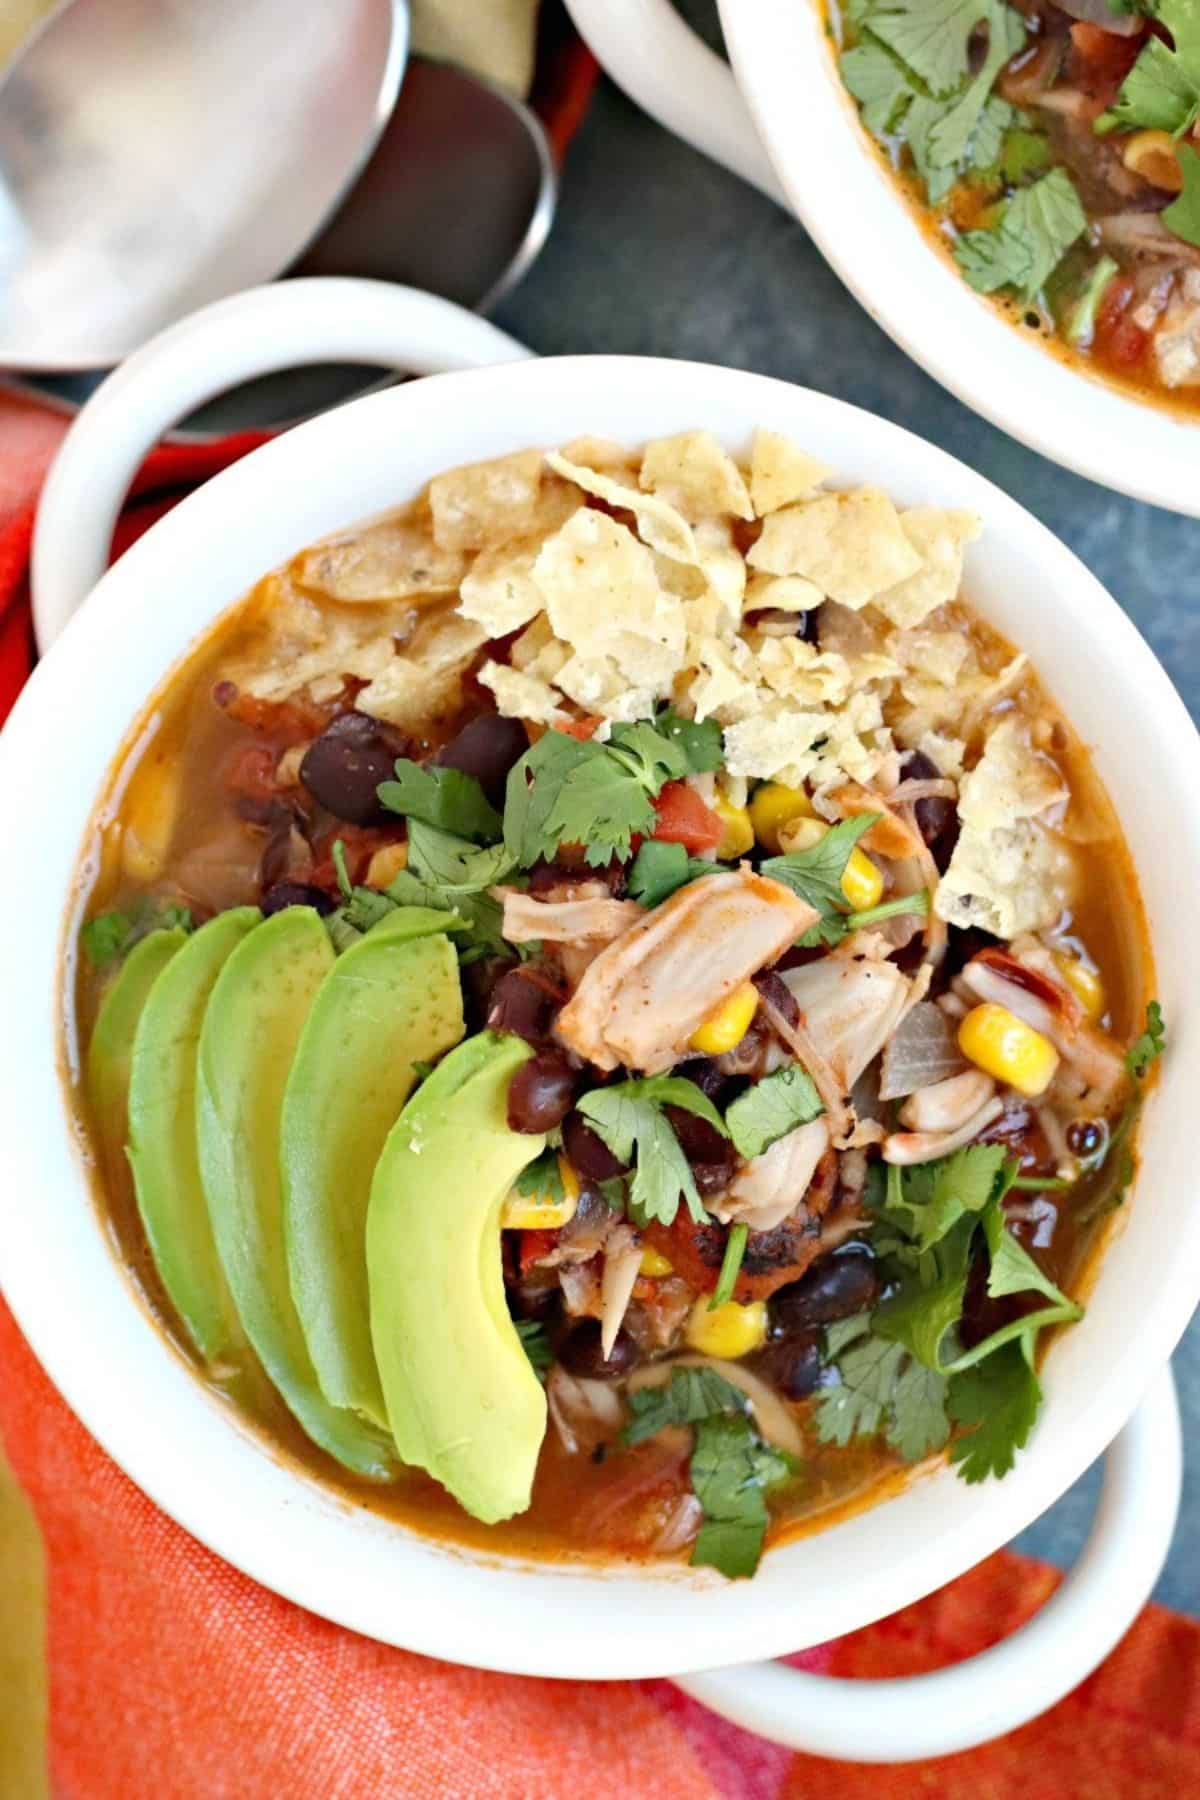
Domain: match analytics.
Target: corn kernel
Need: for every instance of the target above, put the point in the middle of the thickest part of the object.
(1086, 984)
(542, 1212)
(862, 882)
(726, 1027)
(654, 1263)
(1153, 156)
(996, 1041)
(727, 1331)
(739, 832)
(772, 805)
(386, 864)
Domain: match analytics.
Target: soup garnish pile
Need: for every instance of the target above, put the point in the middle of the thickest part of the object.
(1053, 144)
(615, 1005)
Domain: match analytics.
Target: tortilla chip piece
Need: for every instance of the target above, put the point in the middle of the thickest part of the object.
(938, 536)
(945, 753)
(485, 502)
(790, 744)
(422, 687)
(696, 474)
(725, 686)
(780, 472)
(1007, 873)
(499, 592)
(604, 599)
(659, 524)
(522, 696)
(603, 685)
(934, 655)
(852, 546)
(799, 671)
(394, 559)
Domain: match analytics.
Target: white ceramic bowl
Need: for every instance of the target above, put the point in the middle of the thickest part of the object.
(123, 1379)
(823, 165)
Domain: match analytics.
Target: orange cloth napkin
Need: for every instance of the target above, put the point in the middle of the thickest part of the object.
(170, 1674)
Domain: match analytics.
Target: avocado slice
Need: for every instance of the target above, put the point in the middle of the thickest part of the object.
(111, 1048)
(462, 1399)
(393, 999)
(251, 1028)
(162, 1135)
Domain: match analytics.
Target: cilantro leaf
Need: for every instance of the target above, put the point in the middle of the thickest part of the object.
(1032, 235)
(1014, 1271)
(816, 874)
(882, 1389)
(949, 140)
(629, 1118)
(880, 83)
(542, 1178)
(929, 1296)
(478, 916)
(836, 926)
(1023, 153)
(930, 36)
(536, 1345)
(337, 857)
(998, 1401)
(447, 798)
(935, 1195)
(1081, 324)
(731, 1262)
(659, 868)
(1150, 1044)
(771, 1108)
(111, 935)
(452, 863)
(532, 791)
(699, 740)
(732, 1469)
(1162, 90)
(1182, 217)
(691, 1394)
(648, 754)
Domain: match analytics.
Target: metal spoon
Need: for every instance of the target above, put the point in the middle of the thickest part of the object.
(154, 157)
(457, 199)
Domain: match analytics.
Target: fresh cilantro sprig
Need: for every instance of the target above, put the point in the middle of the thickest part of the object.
(731, 1264)
(1162, 90)
(903, 1369)
(769, 1110)
(834, 927)
(565, 790)
(1029, 238)
(659, 869)
(1149, 1045)
(446, 798)
(536, 1346)
(475, 918)
(629, 1116)
(816, 873)
(732, 1467)
(112, 935)
(541, 1179)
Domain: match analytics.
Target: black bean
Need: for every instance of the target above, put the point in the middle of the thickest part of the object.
(936, 816)
(587, 1152)
(709, 1077)
(1086, 1138)
(343, 768)
(774, 988)
(487, 748)
(295, 893)
(542, 1092)
(699, 1141)
(793, 1366)
(836, 1287)
(522, 1005)
(711, 1178)
(580, 1353)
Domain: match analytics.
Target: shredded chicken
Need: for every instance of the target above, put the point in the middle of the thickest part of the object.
(769, 1187)
(893, 834)
(645, 995)
(596, 921)
(907, 1147)
(850, 1007)
(825, 1079)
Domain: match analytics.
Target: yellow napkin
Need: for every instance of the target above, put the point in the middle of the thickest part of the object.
(493, 37)
(22, 1645)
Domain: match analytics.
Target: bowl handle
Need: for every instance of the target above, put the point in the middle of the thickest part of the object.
(319, 319)
(919, 1716)
(669, 72)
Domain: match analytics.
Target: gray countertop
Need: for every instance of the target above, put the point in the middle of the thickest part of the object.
(657, 252)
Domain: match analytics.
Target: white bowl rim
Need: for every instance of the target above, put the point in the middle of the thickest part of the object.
(136, 1395)
(868, 233)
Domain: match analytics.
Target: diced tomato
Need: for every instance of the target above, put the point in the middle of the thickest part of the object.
(581, 728)
(534, 1245)
(252, 772)
(1101, 60)
(683, 818)
(1118, 338)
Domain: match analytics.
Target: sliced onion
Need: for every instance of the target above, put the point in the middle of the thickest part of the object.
(584, 1413)
(909, 1147)
(921, 1051)
(1144, 234)
(622, 1264)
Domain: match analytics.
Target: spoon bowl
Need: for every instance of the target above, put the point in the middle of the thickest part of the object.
(148, 165)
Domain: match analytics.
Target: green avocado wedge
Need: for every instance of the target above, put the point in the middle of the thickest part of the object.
(253, 1023)
(110, 1051)
(462, 1398)
(393, 999)
(162, 1135)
